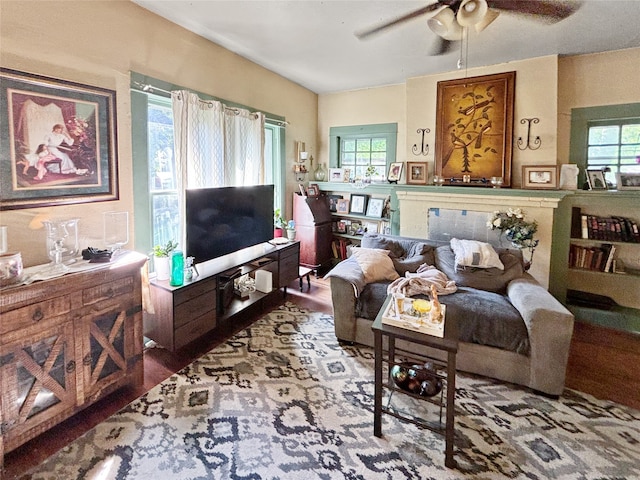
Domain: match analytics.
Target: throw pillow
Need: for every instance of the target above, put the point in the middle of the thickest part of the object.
(489, 279)
(471, 253)
(407, 254)
(375, 263)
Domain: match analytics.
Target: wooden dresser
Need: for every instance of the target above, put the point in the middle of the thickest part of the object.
(66, 342)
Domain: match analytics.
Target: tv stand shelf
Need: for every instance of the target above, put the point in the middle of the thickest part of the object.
(185, 313)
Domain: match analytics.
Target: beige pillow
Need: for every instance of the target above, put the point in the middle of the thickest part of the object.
(375, 263)
(471, 253)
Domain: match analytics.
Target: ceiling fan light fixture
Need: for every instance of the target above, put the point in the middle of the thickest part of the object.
(486, 21)
(444, 24)
(471, 12)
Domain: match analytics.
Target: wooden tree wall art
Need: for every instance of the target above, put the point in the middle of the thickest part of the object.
(474, 128)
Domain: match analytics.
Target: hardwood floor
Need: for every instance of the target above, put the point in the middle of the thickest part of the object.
(159, 364)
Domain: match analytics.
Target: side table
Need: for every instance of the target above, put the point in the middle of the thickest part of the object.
(448, 344)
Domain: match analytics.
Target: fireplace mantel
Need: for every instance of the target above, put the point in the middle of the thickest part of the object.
(539, 205)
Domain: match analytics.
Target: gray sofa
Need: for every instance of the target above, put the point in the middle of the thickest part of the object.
(511, 328)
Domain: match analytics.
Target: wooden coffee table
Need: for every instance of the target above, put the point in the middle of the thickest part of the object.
(448, 344)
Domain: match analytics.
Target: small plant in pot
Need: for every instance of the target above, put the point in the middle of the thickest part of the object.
(279, 223)
(161, 261)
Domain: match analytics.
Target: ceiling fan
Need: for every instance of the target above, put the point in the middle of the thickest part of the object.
(449, 18)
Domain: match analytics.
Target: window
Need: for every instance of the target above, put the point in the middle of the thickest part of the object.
(364, 149)
(606, 137)
(163, 193)
(156, 195)
(614, 145)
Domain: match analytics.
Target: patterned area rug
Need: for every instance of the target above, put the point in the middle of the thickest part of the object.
(283, 400)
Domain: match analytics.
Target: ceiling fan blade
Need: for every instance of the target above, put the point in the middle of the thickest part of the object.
(440, 46)
(404, 18)
(553, 11)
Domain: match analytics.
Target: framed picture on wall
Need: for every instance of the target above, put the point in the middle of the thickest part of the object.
(58, 142)
(417, 173)
(474, 128)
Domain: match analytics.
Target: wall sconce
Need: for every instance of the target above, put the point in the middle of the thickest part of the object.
(535, 145)
(424, 147)
(299, 168)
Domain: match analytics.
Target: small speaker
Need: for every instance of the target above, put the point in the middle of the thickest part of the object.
(263, 281)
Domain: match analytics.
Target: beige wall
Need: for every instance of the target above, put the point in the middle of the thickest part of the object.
(593, 80)
(98, 43)
(362, 107)
(413, 106)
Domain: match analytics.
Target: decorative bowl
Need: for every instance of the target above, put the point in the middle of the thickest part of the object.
(10, 269)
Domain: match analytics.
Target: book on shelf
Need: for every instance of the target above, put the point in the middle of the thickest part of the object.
(592, 257)
(613, 228)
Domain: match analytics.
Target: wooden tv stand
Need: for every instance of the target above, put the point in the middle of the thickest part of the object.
(185, 313)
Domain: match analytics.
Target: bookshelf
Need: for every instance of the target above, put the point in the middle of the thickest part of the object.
(374, 213)
(602, 250)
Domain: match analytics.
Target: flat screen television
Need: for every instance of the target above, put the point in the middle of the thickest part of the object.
(224, 220)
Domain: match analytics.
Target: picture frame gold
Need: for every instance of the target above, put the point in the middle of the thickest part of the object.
(58, 142)
(342, 205)
(540, 177)
(474, 129)
(417, 173)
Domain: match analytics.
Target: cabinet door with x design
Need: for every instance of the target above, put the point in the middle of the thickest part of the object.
(38, 381)
(110, 331)
(66, 342)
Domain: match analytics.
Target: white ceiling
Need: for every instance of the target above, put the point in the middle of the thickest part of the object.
(313, 44)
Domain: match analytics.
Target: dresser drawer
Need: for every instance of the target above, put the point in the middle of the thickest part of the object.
(107, 290)
(196, 307)
(41, 314)
(195, 328)
(205, 288)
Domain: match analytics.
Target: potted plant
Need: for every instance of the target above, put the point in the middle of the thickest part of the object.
(161, 261)
(291, 230)
(279, 223)
(370, 172)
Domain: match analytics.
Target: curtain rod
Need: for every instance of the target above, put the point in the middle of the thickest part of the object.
(147, 88)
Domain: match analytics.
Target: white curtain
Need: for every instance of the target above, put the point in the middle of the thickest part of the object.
(215, 145)
(244, 147)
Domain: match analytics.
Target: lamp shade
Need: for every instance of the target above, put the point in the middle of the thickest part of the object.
(444, 24)
(471, 12)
